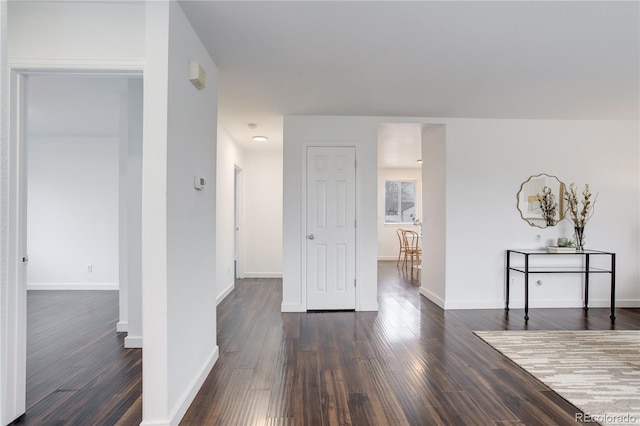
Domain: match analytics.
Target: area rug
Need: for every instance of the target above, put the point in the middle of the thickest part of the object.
(597, 371)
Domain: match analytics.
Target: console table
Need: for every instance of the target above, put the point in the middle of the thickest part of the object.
(586, 269)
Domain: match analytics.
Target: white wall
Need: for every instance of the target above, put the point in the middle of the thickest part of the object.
(486, 161)
(178, 221)
(229, 156)
(73, 212)
(300, 132)
(262, 214)
(83, 30)
(388, 243)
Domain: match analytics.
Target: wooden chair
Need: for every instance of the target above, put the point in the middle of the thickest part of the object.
(403, 248)
(412, 248)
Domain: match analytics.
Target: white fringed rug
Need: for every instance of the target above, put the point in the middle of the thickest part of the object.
(597, 371)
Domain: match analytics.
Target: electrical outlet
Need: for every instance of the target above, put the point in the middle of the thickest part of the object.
(89, 268)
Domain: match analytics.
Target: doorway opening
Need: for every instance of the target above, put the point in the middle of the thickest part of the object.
(65, 174)
(399, 189)
(237, 214)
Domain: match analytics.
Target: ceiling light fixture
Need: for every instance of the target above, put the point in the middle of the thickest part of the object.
(260, 138)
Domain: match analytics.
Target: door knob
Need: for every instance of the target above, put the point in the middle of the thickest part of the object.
(311, 236)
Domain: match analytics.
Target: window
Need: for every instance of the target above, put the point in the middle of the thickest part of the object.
(399, 201)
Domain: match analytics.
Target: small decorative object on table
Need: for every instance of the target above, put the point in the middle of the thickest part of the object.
(579, 216)
(565, 245)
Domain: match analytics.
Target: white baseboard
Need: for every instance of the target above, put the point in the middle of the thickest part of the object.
(73, 286)
(474, 304)
(292, 308)
(432, 296)
(369, 306)
(192, 391)
(624, 303)
(133, 342)
(533, 304)
(227, 291)
(388, 257)
(122, 327)
(262, 275)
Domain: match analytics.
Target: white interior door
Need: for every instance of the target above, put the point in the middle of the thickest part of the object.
(330, 228)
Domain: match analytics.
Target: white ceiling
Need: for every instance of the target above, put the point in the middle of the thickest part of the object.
(504, 59)
(508, 59)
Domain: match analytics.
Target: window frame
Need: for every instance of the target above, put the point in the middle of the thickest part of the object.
(399, 182)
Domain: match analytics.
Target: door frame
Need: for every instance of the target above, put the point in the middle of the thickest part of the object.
(303, 208)
(14, 293)
(237, 222)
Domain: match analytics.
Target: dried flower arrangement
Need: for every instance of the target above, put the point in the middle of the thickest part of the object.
(548, 206)
(579, 216)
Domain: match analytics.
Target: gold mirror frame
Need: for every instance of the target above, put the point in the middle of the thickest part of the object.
(528, 204)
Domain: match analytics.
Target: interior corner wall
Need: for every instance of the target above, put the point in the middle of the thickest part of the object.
(434, 218)
(73, 212)
(179, 142)
(229, 156)
(388, 242)
(262, 214)
(299, 133)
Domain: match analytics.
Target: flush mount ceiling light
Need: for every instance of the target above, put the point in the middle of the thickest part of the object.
(260, 138)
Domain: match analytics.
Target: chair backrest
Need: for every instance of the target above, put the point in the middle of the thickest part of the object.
(411, 239)
(401, 238)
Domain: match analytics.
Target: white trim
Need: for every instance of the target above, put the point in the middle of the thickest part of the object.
(263, 274)
(73, 286)
(13, 294)
(368, 307)
(192, 391)
(432, 296)
(534, 304)
(78, 66)
(387, 257)
(122, 327)
(292, 308)
(623, 303)
(227, 291)
(133, 342)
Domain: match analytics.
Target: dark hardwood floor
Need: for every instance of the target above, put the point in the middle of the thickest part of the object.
(78, 372)
(410, 363)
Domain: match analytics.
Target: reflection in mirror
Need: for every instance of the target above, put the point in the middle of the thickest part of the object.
(540, 200)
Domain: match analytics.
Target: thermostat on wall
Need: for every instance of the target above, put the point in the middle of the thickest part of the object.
(199, 182)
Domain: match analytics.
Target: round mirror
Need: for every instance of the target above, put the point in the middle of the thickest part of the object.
(540, 200)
